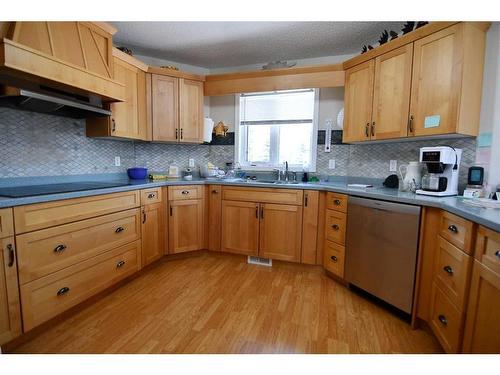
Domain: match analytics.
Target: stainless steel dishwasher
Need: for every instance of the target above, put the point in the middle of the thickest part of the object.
(381, 249)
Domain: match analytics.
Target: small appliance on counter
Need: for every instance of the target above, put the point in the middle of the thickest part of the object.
(443, 164)
(411, 176)
(474, 187)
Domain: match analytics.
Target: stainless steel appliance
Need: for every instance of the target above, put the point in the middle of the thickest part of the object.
(443, 164)
(381, 249)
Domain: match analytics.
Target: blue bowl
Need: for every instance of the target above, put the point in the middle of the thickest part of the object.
(137, 173)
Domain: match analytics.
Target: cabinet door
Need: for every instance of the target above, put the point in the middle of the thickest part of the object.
(482, 326)
(153, 235)
(436, 81)
(358, 99)
(10, 309)
(185, 225)
(310, 227)
(240, 227)
(165, 108)
(191, 110)
(125, 118)
(280, 232)
(214, 217)
(391, 98)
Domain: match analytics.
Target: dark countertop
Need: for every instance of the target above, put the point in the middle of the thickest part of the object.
(488, 217)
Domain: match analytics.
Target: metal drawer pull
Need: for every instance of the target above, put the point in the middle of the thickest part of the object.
(119, 229)
(448, 269)
(373, 128)
(10, 249)
(143, 216)
(367, 130)
(443, 320)
(497, 253)
(151, 195)
(185, 192)
(215, 192)
(334, 258)
(453, 228)
(337, 202)
(113, 128)
(59, 248)
(63, 291)
(335, 226)
(120, 264)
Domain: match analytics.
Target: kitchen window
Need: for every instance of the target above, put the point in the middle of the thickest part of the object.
(274, 127)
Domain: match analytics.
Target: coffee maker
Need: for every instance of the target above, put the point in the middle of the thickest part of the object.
(443, 163)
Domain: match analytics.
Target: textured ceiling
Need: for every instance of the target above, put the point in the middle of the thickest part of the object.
(224, 44)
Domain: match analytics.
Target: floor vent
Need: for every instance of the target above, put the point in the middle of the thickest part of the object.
(260, 261)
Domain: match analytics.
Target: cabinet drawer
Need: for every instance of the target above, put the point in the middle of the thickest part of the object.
(452, 272)
(177, 193)
(263, 195)
(6, 223)
(44, 215)
(457, 230)
(49, 250)
(335, 226)
(446, 321)
(150, 196)
(488, 248)
(337, 202)
(334, 258)
(47, 297)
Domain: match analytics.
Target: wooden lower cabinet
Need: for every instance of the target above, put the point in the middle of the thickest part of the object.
(214, 217)
(10, 310)
(185, 225)
(310, 224)
(482, 325)
(153, 226)
(240, 227)
(280, 232)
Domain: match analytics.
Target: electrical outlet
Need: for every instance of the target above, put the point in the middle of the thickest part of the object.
(117, 161)
(331, 164)
(191, 163)
(393, 166)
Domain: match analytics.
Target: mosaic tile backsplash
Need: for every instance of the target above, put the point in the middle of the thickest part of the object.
(34, 144)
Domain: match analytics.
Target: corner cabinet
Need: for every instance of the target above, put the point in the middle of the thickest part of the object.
(129, 118)
(176, 113)
(152, 225)
(430, 86)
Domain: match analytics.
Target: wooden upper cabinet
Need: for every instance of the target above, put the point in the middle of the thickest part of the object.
(129, 118)
(191, 111)
(10, 310)
(240, 227)
(447, 81)
(280, 232)
(482, 325)
(164, 108)
(391, 98)
(358, 98)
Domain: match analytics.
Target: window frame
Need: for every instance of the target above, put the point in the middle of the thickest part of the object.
(274, 140)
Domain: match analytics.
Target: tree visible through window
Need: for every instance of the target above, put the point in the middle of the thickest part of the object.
(275, 127)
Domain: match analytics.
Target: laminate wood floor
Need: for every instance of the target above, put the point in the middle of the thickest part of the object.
(217, 303)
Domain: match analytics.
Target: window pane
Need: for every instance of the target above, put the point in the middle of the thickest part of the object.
(259, 143)
(295, 144)
(278, 106)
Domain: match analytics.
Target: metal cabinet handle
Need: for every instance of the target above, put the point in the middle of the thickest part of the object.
(10, 249)
(448, 269)
(367, 130)
(113, 127)
(256, 212)
(410, 123)
(453, 228)
(119, 229)
(151, 195)
(443, 320)
(214, 191)
(497, 253)
(306, 199)
(171, 211)
(62, 291)
(334, 258)
(59, 248)
(181, 133)
(185, 192)
(373, 128)
(120, 264)
(337, 202)
(143, 216)
(335, 226)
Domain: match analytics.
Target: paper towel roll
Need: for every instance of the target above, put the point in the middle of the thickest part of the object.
(207, 129)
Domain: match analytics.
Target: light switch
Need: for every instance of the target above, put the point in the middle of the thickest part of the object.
(191, 163)
(331, 164)
(393, 166)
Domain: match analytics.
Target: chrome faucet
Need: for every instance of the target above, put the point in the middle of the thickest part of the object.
(286, 171)
(279, 174)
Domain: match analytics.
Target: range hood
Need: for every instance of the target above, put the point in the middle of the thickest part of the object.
(52, 101)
